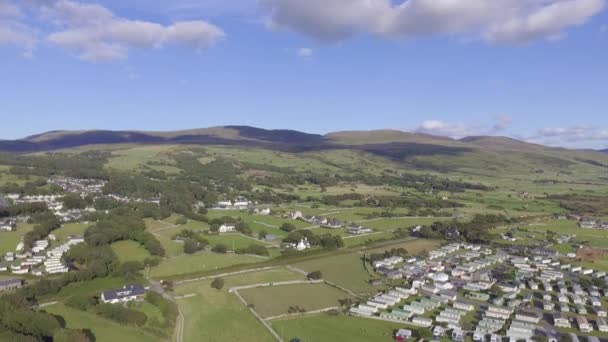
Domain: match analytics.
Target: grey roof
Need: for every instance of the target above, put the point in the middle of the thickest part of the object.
(126, 291)
(9, 282)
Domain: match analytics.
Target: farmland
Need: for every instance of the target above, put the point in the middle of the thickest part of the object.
(276, 300)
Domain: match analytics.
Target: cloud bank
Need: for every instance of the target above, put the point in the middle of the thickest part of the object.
(92, 32)
(496, 21)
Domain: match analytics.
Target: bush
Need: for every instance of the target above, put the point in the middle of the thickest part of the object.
(288, 227)
(181, 221)
(217, 283)
(253, 249)
(316, 275)
(82, 303)
(120, 314)
(68, 335)
(220, 248)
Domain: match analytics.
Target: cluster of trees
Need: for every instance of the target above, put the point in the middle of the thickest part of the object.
(124, 227)
(402, 252)
(120, 314)
(240, 225)
(46, 223)
(253, 249)
(23, 209)
(475, 231)
(168, 310)
(326, 241)
(38, 325)
(193, 241)
(84, 165)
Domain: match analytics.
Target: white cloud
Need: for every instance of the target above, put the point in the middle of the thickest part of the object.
(448, 129)
(93, 33)
(573, 134)
(13, 31)
(461, 130)
(513, 21)
(305, 52)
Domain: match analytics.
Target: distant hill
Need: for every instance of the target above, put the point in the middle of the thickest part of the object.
(604, 151)
(500, 143)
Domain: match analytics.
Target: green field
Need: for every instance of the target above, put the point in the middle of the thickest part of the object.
(204, 261)
(130, 251)
(276, 300)
(70, 229)
(326, 328)
(346, 270)
(9, 240)
(104, 330)
(217, 316)
(234, 241)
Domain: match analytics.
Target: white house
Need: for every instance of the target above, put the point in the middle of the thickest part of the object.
(227, 228)
(126, 294)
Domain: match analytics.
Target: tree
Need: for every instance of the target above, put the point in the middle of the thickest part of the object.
(315, 275)
(288, 227)
(220, 248)
(217, 283)
(191, 246)
(181, 221)
(262, 234)
(68, 335)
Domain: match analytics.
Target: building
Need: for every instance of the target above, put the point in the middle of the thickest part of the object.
(358, 230)
(227, 228)
(126, 294)
(583, 324)
(561, 321)
(403, 335)
(8, 226)
(10, 284)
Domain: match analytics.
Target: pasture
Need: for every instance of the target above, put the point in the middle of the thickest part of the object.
(199, 262)
(103, 329)
(217, 315)
(326, 328)
(130, 251)
(9, 240)
(276, 300)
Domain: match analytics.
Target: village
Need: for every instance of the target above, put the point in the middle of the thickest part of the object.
(463, 291)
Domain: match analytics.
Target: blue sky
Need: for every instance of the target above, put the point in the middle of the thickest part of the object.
(518, 68)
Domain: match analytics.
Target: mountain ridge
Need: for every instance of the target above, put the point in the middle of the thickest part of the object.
(284, 139)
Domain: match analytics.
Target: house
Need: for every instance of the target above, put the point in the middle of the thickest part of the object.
(422, 321)
(529, 317)
(438, 331)
(463, 306)
(332, 224)
(561, 321)
(403, 335)
(601, 324)
(10, 284)
(296, 215)
(126, 294)
(263, 212)
(358, 230)
(583, 324)
(8, 226)
(458, 335)
(227, 228)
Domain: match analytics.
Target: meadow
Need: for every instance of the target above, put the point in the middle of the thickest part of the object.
(103, 329)
(9, 240)
(327, 328)
(130, 251)
(217, 315)
(276, 300)
(199, 262)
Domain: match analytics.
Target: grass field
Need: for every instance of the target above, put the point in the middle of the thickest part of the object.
(325, 328)
(217, 316)
(234, 241)
(92, 288)
(413, 247)
(130, 251)
(70, 229)
(346, 270)
(276, 300)
(204, 261)
(9, 240)
(104, 330)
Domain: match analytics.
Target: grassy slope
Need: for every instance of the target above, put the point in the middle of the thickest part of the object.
(215, 316)
(276, 300)
(130, 251)
(104, 330)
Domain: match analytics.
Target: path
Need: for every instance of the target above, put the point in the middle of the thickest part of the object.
(265, 224)
(356, 236)
(225, 274)
(298, 314)
(258, 317)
